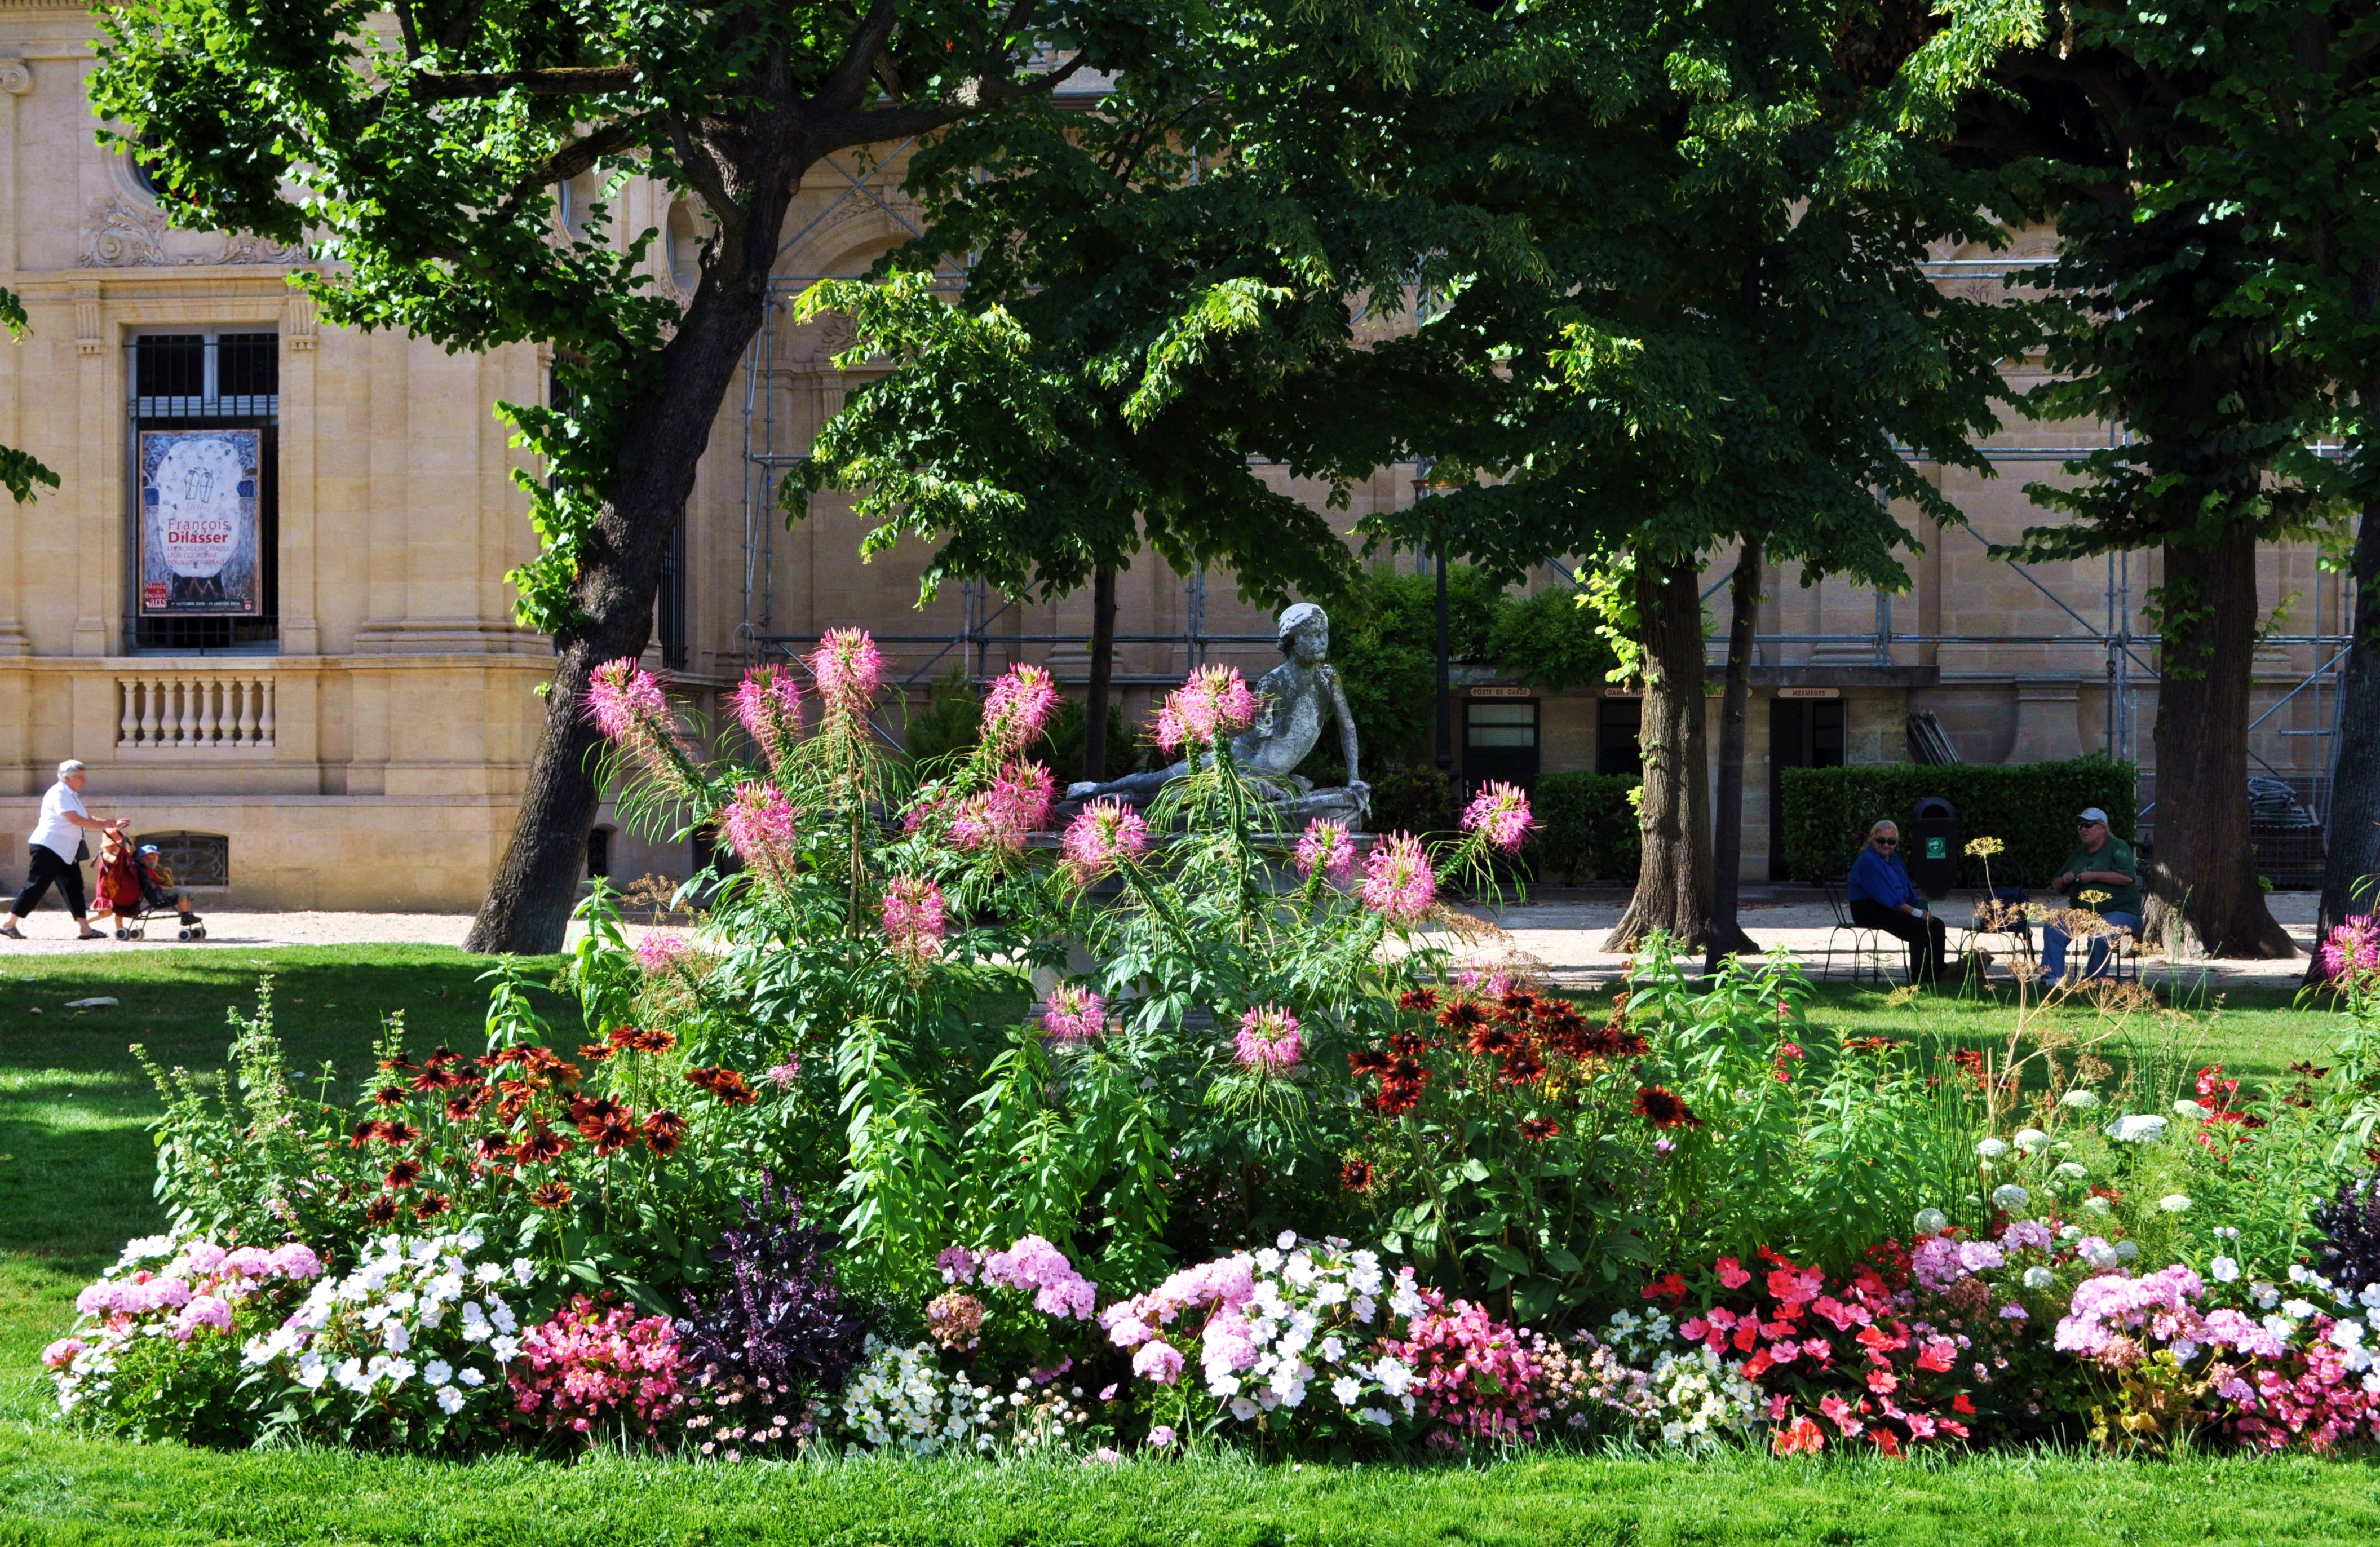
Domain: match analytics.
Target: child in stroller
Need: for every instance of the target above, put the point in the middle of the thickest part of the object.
(133, 887)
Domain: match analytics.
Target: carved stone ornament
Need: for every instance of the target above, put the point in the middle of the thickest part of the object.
(16, 77)
(123, 234)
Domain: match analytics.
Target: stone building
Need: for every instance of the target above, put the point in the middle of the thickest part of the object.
(349, 726)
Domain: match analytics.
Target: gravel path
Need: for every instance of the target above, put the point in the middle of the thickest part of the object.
(1558, 934)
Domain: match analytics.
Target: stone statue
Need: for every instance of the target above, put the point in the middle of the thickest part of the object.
(1291, 700)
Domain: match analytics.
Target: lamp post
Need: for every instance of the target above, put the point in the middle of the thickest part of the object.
(1445, 677)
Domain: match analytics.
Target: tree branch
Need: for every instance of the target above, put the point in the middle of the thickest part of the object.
(694, 161)
(572, 81)
(840, 93)
(836, 131)
(405, 25)
(573, 159)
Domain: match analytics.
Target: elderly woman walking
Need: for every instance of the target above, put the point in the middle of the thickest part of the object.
(1883, 898)
(57, 844)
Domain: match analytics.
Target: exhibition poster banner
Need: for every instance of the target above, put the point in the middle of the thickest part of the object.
(201, 537)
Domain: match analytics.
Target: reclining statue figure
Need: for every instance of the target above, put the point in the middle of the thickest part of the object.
(1292, 699)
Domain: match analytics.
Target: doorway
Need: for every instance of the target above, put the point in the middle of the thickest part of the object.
(1802, 732)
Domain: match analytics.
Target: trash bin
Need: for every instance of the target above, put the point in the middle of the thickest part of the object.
(1932, 849)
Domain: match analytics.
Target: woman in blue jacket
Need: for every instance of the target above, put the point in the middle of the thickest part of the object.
(1883, 898)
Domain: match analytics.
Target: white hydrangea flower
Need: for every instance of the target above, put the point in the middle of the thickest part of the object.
(2038, 1277)
(2140, 1128)
(2070, 1171)
(2032, 1141)
(2009, 1196)
(1931, 1221)
(2189, 1109)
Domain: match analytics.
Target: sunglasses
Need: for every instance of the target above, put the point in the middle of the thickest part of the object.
(1887, 843)
(2086, 826)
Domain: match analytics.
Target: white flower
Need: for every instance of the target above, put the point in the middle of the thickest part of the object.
(2347, 1334)
(2369, 1298)
(1992, 1149)
(2101, 1256)
(2175, 1203)
(505, 1349)
(2143, 1128)
(1374, 1415)
(2189, 1109)
(2070, 1171)
(1930, 1221)
(394, 1336)
(1242, 1409)
(2069, 1232)
(313, 1371)
(2280, 1326)
(2032, 1140)
(469, 1376)
(2297, 1310)
(2039, 1278)
(2009, 1196)
(1393, 1376)
(450, 1401)
(2097, 1205)
(1346, 1388)
(2079, 1100)
(2225, 1270)
(2127, 1250)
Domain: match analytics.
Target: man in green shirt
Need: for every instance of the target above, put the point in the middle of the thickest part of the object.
(2101, 863)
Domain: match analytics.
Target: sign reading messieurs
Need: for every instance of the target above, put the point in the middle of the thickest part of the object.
(200, 538)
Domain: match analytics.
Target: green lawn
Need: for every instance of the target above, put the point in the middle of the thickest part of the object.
(75, 1182)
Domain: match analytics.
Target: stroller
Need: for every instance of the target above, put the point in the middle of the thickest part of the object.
(134, 886)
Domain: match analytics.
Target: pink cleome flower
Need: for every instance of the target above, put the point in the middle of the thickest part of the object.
(849, 671)
(1106, 833)
(660, 950)
(1326, 846)
(1268, 1042)
(768, 703)
(624, 699)
(2352, 948)
(1073, 1014)
(1002, 817)
(1398, 882)
(759, 826)
(1212, 703)
(913, 918)
(1017, 708)
(1501, 812)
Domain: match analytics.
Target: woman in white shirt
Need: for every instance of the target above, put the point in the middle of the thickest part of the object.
(57, 840)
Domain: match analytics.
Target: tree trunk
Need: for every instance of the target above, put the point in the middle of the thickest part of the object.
(2206, 863)
(1727, 936)
(1095, 708)
(1673, 886)
(660, 444)
(2351, 874)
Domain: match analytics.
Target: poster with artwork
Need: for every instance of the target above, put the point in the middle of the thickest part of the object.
(199, 532)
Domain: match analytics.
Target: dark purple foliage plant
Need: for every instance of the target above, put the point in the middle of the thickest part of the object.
(2350, 1226)
(768, 1334)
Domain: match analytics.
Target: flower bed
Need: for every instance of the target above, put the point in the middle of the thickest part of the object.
(916, 1145)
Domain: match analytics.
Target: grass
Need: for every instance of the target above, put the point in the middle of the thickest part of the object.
(75, 1173)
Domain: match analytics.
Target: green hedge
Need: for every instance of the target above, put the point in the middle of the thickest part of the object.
(2030, 808)
(1586, 827)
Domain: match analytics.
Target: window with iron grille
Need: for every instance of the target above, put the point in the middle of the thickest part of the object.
(208, 381)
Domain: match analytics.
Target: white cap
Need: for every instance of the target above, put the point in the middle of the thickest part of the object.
(69, 768)
(2091, 813)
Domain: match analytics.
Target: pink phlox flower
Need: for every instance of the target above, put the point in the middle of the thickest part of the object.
(2228, 1328)
(1017, 708)
(2105, 1306)
(1979, 1256)
(1500, 813)
(203, 1311)
(204, 1256)
(1034, 1266)
(1327, 847)
(1073, 1014)
(1157, 1361)
(58, 1355)
(1935, 1264)
(1227, 1346)
(1268, 1042)
(848, 672)
(1398, 882)
(913, 919)
(1105, 834)
(1212, 703)
(768, 704)
(783, 1074)
(2026, 1235)
(958, 1265)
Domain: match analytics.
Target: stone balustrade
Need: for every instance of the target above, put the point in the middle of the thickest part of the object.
(183, 711)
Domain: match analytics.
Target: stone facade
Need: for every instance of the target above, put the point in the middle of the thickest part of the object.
(369, 751)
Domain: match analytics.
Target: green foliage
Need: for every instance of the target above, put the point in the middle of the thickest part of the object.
(1549, 640)
(2029, 807)
(19, 470)
(1062, 743)
(1384, 646)
(947, 724)
(1587, 827)
(1415, 798)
